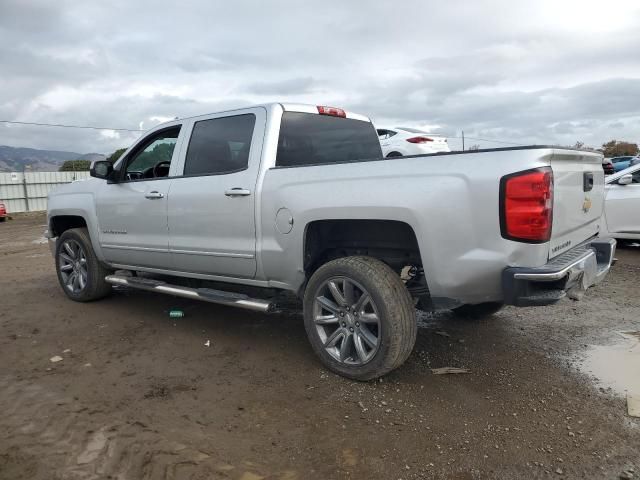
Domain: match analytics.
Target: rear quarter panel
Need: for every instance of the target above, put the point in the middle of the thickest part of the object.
(450, 200)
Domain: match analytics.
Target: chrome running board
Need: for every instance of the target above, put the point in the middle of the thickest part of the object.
(205, 294)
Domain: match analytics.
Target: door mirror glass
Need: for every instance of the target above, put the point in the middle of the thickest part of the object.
(625, 179)
(101, 169)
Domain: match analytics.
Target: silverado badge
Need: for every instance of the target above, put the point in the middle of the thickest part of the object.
(586, 205)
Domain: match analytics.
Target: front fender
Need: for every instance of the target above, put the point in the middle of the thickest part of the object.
(77, 205)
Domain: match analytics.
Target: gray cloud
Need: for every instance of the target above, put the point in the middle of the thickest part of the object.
(293, 86)
(497, 69)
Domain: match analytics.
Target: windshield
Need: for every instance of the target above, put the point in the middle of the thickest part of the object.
(421, 132)
(411, 130)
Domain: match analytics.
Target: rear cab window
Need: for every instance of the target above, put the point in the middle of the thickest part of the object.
(312, 139)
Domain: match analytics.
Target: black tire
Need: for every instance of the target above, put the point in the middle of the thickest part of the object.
(397, 319)
(3, 219)
(95, 286)
(394, 154)
(479, 310)
(626, 243)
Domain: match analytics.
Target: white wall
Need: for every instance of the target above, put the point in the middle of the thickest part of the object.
(27, 192)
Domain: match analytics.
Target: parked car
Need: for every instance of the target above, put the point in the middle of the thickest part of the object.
(634, 161)
(622, 205)
(620, 163)
(297, 198)
(403, 141)
(3, 212)
(607, 166)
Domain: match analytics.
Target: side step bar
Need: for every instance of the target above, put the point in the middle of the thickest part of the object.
(205, 294)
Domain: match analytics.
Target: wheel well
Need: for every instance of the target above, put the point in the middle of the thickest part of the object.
(391, 241)
(394, 154)
(61, 223)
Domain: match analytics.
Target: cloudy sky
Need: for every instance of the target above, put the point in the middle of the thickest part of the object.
(549, 71)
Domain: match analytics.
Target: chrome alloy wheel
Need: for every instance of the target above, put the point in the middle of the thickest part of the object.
(347, 321)
(72, 261)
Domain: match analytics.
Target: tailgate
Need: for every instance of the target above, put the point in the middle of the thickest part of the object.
(578, 198)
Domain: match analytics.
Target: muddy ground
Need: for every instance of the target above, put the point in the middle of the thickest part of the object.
(138, 395)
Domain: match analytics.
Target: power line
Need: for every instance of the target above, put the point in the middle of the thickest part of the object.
(70, 126)
(488, 140)
(13, 122)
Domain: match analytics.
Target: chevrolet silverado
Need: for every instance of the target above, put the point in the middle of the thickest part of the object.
(298, 198)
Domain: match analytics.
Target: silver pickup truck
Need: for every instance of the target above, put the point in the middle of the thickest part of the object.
(237, 207)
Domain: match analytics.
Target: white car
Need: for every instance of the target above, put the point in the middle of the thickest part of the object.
(621, 217)
(403, 141)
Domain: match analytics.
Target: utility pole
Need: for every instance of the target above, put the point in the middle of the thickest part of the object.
(24, 187)
(463, 140)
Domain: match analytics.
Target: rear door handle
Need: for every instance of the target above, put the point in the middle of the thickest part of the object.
(237, 192)
(153, 195)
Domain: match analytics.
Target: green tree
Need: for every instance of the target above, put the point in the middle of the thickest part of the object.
(615, 148)
(75, 166)
(162, 152)
(113, 158)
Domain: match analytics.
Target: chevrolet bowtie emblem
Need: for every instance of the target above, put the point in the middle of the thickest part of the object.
(586, 205)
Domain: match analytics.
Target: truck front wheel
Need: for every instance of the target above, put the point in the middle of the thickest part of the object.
(80, 274)
(359, 317)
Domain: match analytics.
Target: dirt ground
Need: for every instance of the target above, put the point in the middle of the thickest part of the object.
(138, 395)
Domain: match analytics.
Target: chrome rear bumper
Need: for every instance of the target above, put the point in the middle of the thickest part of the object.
(571, 273)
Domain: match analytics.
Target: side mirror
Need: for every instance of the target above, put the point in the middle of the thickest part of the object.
(101, 169)
(625, 179)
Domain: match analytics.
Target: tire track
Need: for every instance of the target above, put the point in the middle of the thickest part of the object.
(60, 437)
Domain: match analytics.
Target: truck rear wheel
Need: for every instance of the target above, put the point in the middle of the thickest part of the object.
(359, 317)
(80, 274)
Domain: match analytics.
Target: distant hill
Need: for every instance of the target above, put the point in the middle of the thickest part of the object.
(13, 159)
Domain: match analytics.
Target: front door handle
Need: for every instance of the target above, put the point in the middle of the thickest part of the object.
(237, 192)
(153, 195)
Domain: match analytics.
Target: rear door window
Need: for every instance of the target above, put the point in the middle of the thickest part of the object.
(385, 134)
(220, 145)
(310, 139)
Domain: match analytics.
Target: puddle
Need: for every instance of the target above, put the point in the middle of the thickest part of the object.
(616, 366)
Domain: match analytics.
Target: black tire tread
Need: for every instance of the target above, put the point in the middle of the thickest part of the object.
(397, 302)
(97, 287)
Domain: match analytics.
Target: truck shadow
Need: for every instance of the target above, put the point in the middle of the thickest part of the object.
(443, 340)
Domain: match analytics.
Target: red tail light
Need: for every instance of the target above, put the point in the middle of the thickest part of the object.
(419, 140)
(333, 111)
(526, 205)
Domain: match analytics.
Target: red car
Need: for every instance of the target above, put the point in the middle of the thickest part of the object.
(3, 212)
(607, 165)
